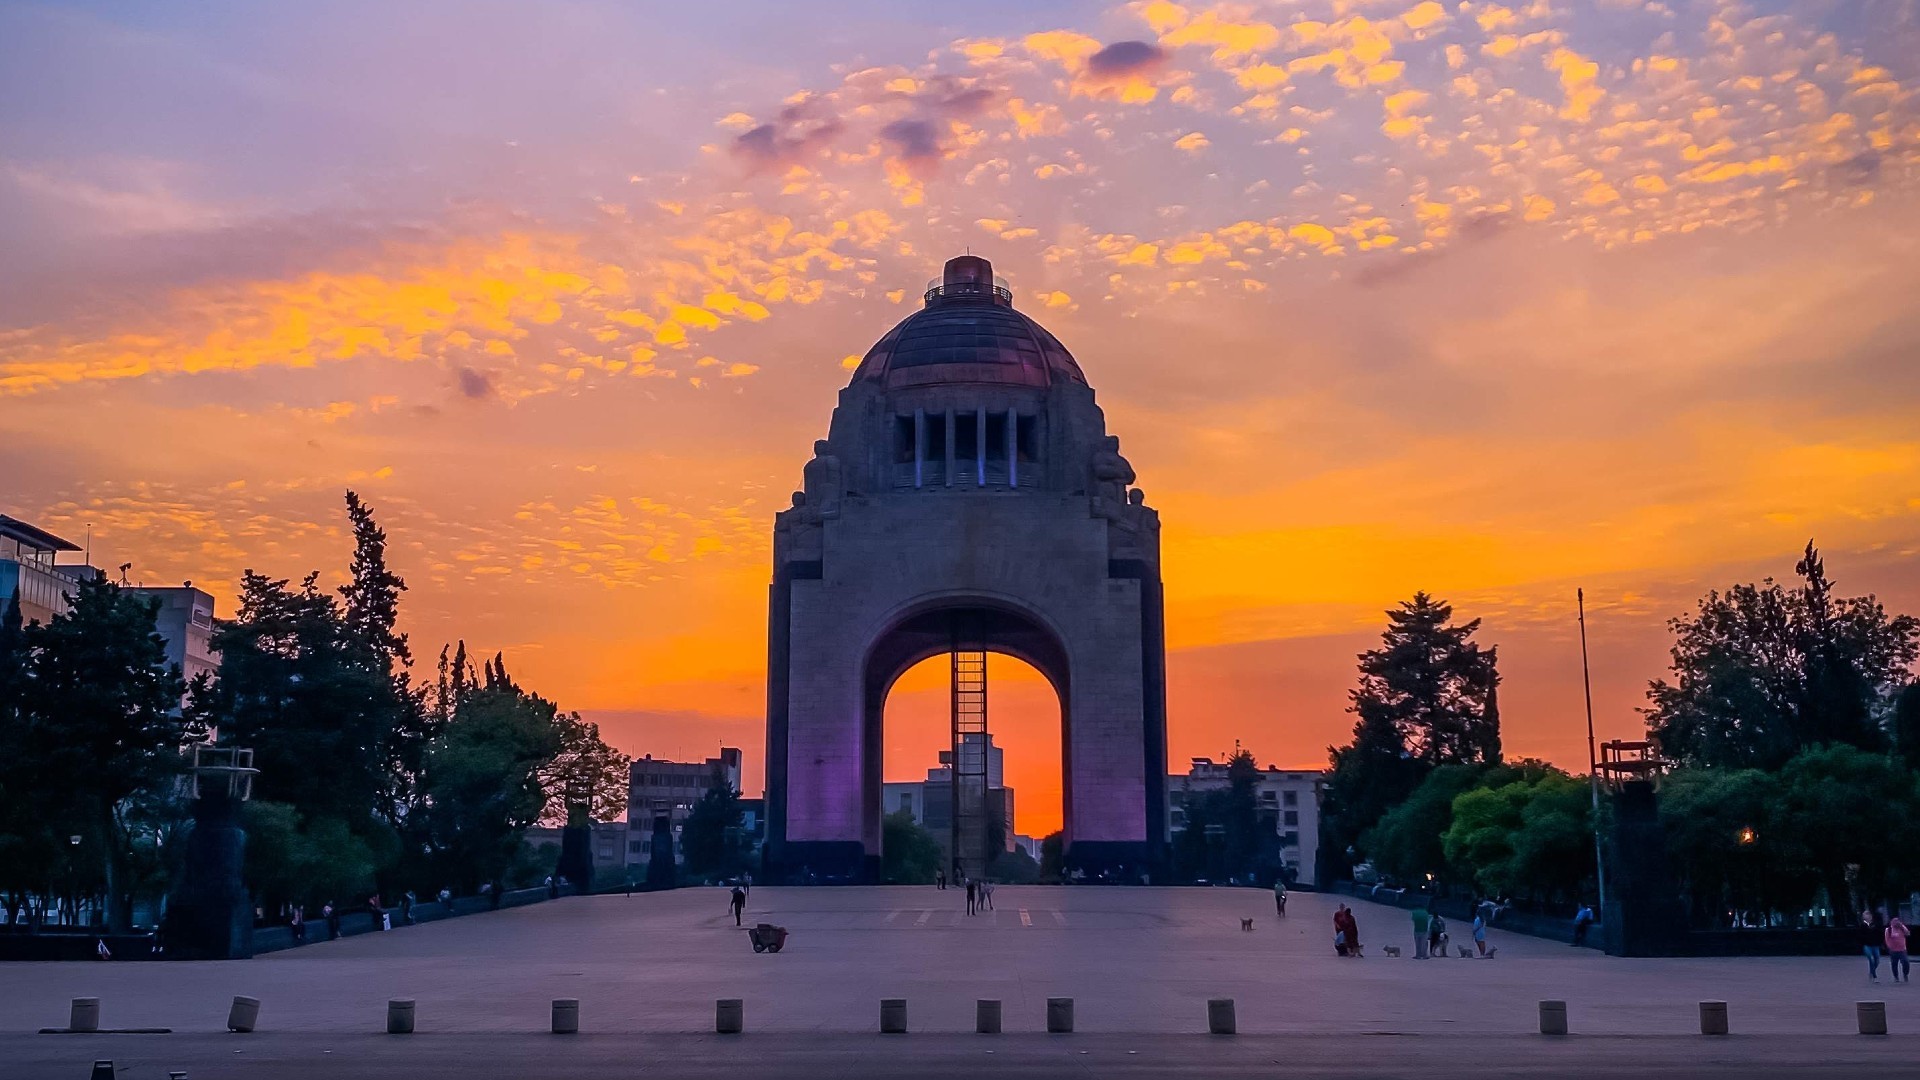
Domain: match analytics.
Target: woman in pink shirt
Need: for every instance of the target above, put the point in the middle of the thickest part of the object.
(1897, 950)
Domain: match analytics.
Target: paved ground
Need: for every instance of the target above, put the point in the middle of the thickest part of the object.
(954, 1057)
(1137, 961)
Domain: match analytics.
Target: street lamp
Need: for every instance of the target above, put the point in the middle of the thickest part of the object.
(1747, 835)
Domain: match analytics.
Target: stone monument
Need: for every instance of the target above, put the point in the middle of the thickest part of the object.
(967, 497)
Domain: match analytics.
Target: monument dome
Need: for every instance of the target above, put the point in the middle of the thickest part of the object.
(968, 332)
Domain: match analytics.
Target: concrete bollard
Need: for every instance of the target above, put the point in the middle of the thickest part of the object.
(102, 1070)
(1553, 1018)
(1873, 1017)
(85, 1015)
(986, 1016)
(400, 1016)
(729, 1016)
(244, 1014)
(1220, 1020)
(1059, 1016)
(566, 1016)
(1713, 1018)
(893, 1016)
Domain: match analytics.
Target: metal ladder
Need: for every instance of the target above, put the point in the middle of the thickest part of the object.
(971, 812)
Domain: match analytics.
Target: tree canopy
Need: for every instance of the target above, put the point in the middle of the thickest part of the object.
(1762, 672)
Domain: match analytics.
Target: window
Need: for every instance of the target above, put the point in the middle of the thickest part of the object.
(1289, 839)
(903, 440)
(1292, 817)
(1028, 439)
(1290, 798)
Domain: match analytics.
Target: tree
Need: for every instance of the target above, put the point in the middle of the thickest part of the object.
(370, 611)
(711, 842)
(1427, 697)
(1762, 672)
(1406, 842)
(909, 853)
(105, 720)
(1224, 838)
(1720, 831)
(587, 781)
(1053, 862)
(1523, 830)
(1906, 725)
(482, 783)
(300, 688)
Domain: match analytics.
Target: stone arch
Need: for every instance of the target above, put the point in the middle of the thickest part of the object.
(935, 625)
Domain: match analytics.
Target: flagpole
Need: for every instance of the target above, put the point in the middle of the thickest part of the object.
(1593, 764)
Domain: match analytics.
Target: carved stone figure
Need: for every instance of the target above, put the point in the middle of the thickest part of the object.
(1111, 472)
(822, 479)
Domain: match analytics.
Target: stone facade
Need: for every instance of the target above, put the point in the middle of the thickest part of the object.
(967, 496)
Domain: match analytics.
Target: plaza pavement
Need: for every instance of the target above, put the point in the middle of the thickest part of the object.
(1138, 962)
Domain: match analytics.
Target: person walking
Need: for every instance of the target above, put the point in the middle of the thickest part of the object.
(1872, 939)
(986, 895)
(1480, 934)
(406, 907)
(379, 914)
(738, 901)
(1279, 896)
(1437, 936)
(1582, 919)
(297, 922)
(332, 918)
(1422, 919)
(940, 880)
(973, 891)
(1896, 942)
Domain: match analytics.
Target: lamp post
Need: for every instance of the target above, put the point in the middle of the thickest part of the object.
(1593, 764)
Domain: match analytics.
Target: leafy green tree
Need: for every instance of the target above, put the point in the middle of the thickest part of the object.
(587, 780)
(1053, 863)
(1906, 725)
(1719, 825)
(909, 853)
(290, 860)
(370, 611)
(1524, 832)
(1841, 807)
(1762, 672)
(482, 778)
(1427, 697)
(104, 717)
(1406, 842)
(711, 840)
(1014, 867)
(1224, 837)
(300, 688)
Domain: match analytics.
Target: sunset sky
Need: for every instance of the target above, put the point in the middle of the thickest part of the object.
(1493, 301)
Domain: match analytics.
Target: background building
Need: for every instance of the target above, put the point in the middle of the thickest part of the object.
(185, 620)
(1289, 799)
(30, 566)
(657, 787)
(930, 801)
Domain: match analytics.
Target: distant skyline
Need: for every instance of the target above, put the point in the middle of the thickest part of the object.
(1488, 300)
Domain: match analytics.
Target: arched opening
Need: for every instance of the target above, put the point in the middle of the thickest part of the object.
(935, 632)
(1026, 766)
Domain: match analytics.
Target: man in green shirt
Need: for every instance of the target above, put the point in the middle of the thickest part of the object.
(1421, 918)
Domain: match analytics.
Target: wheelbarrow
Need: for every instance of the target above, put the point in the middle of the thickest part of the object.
(767, 937)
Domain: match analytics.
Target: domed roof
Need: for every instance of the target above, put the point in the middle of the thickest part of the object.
(968, 332)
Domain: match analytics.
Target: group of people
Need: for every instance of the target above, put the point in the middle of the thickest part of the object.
(1430, 937)
(979, 893)
(1880, 935)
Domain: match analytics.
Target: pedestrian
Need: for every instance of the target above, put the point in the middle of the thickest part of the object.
(1480, 934)
(738, 901)
(406, 907)
(986, 894)
(446, 899)
(1582, 919)
(1422, 918)
(629, 886)
(100, 950)
(374, 909)
(940, 880)
(332, 918)
(297, 922)
(1872, 939)
(1896, 941)
(1340, 931)
(746, 883)
(1437, 936)
(553, 888)
(1279, 896)
(1353, 934)
(973, 892)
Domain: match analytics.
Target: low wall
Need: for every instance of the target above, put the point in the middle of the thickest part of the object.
(353, 923)
(72, 943)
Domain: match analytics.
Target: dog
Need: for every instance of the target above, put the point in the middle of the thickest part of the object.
(1246, 924)
(1391, 950)
(1465, 953)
